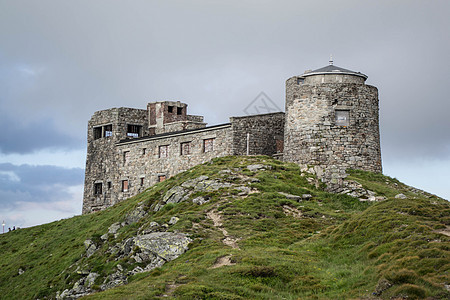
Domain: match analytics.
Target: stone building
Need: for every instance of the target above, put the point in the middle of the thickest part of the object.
(330, 124)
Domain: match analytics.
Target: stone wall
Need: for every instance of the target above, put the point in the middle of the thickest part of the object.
(313, 136)
(140, 163)
(262, 131)
(101, 162)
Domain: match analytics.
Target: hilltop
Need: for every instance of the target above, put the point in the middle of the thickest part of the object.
(241, 228)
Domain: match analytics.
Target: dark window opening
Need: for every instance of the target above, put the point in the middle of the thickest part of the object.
(142, 181)
(98, 188)
(107, 130)
(134, 131)
(161, 178)
(208, 145)
(144, 150)
(97, 132)
(300, 80)
(342, 118)
(170, 109)
(163, 151)
(179, 110)
(126, 157)
(109, 184)
(124, 185)
(280, 146)
(185, 148)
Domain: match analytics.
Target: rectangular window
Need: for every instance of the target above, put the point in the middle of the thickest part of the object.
(126, 157)
(134, 131)
(109, 185)
(170, 109)
(144, 150)
(161, 178)
(342, 118)
(280, 146)
(185, 148)
(163, 151)
(98, 188)
(208, 145)
(142, 181)
(179, 110)
(124, 185)
(107, 129)
(97, 132)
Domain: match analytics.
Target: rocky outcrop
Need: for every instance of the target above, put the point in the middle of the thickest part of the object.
(181, 193)
(153, 248)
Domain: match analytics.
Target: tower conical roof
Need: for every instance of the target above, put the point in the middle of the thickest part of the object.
(332, 69)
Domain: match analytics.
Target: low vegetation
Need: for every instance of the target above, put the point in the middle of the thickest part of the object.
(317, 245)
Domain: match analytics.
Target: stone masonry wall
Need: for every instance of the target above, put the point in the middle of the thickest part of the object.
(142, 168)
(101, 163)
(312, 136)
(264, 132)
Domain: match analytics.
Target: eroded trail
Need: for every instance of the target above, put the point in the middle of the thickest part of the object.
(217, 221)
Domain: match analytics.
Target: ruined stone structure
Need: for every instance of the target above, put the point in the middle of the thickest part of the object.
(330, 124)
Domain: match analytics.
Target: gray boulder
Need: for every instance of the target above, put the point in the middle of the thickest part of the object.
(257, 167)
(173, 220)
(166, 245)
(137, 214)
(113, 228)
(90, 247)
(400, 196)
(290, 196)
(200, 200)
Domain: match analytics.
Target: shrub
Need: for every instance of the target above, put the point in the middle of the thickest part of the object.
(402, 276)
(411, 291)
(259, 271)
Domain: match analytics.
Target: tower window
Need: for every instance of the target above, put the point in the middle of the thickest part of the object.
(170, 109)
(107, 130)
(97, 132)
(142, 181)
(134, 131)
(179, 110)
(342, 118)
(98, 188)
(161, 178)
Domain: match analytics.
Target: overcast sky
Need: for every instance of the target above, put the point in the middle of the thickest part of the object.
(62, 60)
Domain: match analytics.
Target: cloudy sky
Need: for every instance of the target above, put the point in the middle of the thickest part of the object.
(62, 60)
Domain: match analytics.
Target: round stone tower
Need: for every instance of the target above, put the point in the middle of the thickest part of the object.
(332, 123)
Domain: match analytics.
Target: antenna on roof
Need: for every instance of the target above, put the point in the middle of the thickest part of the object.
(331, 60)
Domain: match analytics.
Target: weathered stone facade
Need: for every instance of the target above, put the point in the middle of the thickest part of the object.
(120, 166)
(331, 124)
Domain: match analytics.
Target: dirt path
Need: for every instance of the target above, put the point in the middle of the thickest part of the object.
(223, 261)
(217, 220)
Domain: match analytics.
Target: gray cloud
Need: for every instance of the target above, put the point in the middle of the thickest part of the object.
(36, 184)
(62, 60)
(33, 136)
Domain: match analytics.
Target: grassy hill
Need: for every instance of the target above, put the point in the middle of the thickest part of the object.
(257, 228)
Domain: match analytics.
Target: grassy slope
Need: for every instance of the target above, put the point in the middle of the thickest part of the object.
(339, 247)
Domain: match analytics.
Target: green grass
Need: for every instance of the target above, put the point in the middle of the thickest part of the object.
(339, 248)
